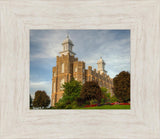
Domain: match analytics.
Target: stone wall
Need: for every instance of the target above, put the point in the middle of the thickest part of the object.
(103, 79)
(68, 66)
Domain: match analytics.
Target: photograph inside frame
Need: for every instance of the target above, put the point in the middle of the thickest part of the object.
(79, 69)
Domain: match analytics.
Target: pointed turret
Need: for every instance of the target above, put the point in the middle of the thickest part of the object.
(67, 47)
(101, 66)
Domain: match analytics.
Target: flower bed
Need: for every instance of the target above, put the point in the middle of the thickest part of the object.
(93, 105)
(115, 103)
(124, 103)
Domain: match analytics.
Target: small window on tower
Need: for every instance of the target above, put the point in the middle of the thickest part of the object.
(75, 69)
(54, 74)
(62, 67)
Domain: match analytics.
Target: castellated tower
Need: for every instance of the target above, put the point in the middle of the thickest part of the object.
(68, 66)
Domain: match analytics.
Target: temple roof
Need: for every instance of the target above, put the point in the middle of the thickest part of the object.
(67, 40)
(100, 60)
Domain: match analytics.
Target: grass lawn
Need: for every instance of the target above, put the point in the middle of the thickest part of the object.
(109, 107)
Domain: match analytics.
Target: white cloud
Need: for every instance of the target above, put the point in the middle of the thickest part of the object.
(49, 45)
(89, 48)
(42, 85)
(39, 83)
(115, 54)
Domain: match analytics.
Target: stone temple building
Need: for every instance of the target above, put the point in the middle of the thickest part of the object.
(68, 66)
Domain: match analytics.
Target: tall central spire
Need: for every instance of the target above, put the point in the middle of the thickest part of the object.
(101, 65)
(67, 35)
(67, 47)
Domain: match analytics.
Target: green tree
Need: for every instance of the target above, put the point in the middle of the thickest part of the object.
(104, 90)
(91, 91)
(105, 95)
(122, 86)
(41, 99)
(71, 94)
(108, 97)
(72, 89)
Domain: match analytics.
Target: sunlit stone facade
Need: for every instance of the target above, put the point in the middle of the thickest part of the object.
(68, 66)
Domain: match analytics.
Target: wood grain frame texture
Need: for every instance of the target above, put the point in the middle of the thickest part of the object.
(18, 17)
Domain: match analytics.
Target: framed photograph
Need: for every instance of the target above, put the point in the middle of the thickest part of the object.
(68, 69)
(23, 26)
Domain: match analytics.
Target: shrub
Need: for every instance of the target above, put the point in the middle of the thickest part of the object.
(60, 105)
(103, 101)
(93, 101)
(80, 101)
(69, 106)
(114, 99)
(74, 105)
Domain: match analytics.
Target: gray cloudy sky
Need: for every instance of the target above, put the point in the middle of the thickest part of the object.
(89, 45)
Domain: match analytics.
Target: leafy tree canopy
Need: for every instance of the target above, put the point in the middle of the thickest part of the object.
(71, 94)
(41, 99)
(91, 90)
(114, 99)
(104, 90)
(122, 86)
(72, 89)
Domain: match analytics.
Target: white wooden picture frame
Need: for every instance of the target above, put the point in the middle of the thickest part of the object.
(142, 17)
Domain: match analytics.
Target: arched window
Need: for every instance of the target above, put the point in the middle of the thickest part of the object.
(62, 70)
